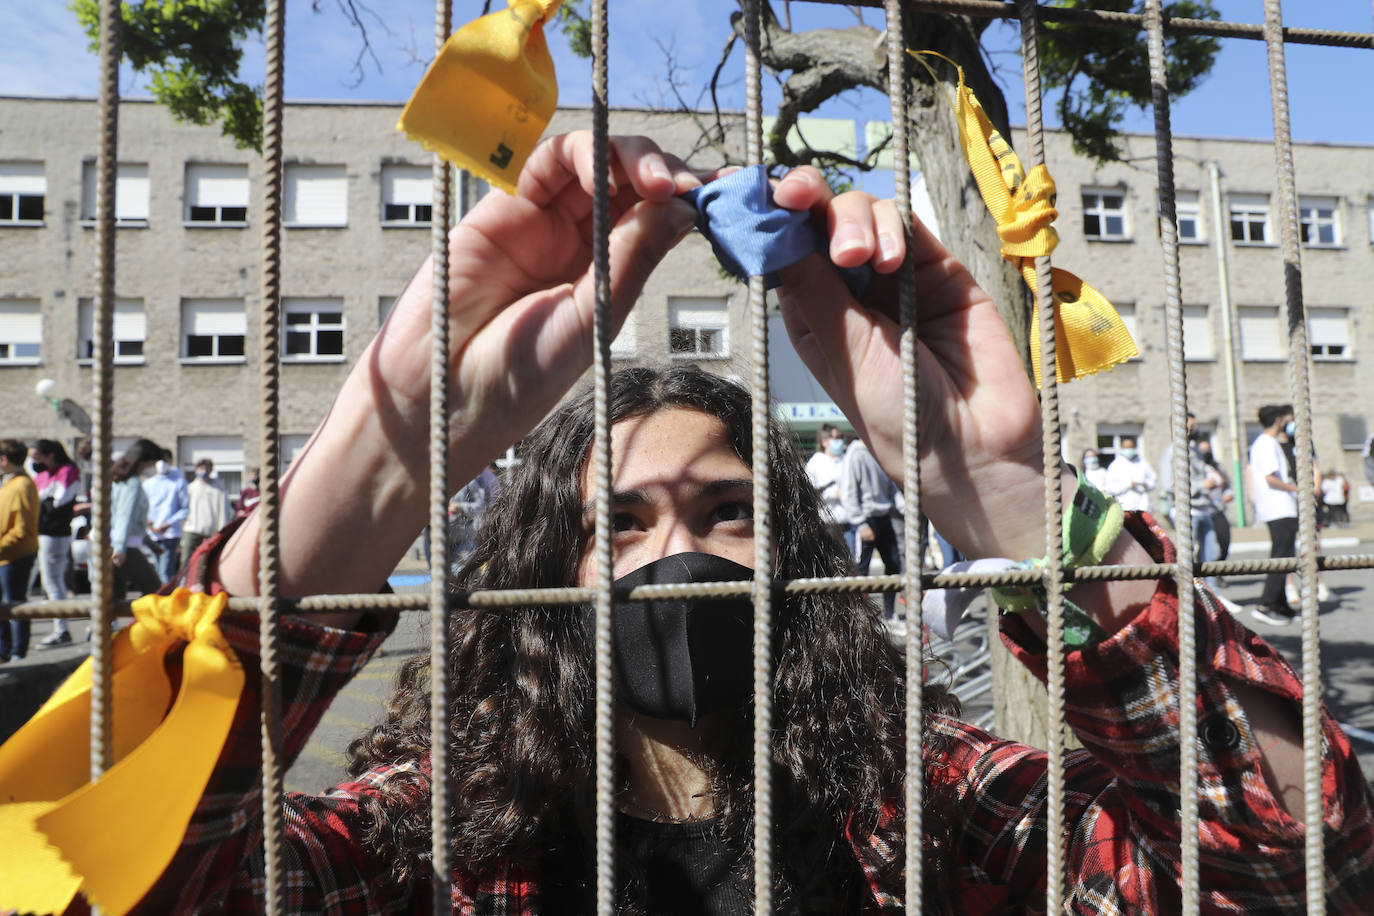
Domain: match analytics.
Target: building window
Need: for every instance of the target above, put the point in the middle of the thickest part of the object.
(217, 194)
(406, 195)
(315, 195)
(130, 330)
(1104, 214)
(1260, 339)
(1127, 312)
(1328, 333)
(1189, 210)
(1319, 222)
(698, 328)
(1250, 219)
(131, 193)
(314, 330)
(21, 332)
(1197, 333)
(225, 451)
(213, 330)
(22, 189)
(1109, 436)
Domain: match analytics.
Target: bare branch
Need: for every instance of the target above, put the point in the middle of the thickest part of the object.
(355, 11)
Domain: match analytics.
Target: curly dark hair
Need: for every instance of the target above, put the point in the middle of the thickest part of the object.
(521, 736)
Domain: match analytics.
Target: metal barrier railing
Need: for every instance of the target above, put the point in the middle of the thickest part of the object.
(269, 604)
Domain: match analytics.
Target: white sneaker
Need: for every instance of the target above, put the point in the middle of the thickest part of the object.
(1323, 593)
(1234, 609)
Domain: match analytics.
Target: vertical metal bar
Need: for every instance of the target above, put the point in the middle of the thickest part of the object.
(911, 468)
(1228, 337)
(1298, 356)
(102, 590)
(269, 544)
(441, 210)
(605, 575)
(1054, 543)
(763, 533)
(1180, 453)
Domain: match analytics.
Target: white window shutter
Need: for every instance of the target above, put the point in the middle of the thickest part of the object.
(21, 321)
(216, 185)
(23, 178)
(215, 316)
(406, 184)
(316, 195)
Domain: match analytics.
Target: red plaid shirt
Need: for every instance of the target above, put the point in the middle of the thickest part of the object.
(1120, 791)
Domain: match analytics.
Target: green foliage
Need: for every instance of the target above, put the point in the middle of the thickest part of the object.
(191, 50)
(1103, 72)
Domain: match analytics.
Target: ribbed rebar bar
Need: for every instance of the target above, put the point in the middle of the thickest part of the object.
(605, 567)
(269, 444)
(101, 607)
(1298, 356)
(995, 9)
(1049, 418)
(914, 786)
(441, 214)
(1180, 455)
(763, 532)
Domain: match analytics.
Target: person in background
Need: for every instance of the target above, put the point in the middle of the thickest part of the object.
(870, 501)
(1335, 494)
(129, 518)
(1221, 498)
(58, 480)
(18, 542)
(1276, 505)
(825, 469)
(249, 495)
(1130, 478)
(1093, 470)
(208, 509)
(167, 505)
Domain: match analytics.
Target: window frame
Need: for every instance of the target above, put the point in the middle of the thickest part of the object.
(1189, 204)
(1206, 321)
(1248, 206)
(8, 358)
(188, 211)
(85, 332)
(413, 220)
(700, 305)
(1280, 339)
(124, 181)
(1333, 314)
(313, 307)
(1313, 205)
(1102, 213)
(217, 357)
(12, 189)
(291, 179)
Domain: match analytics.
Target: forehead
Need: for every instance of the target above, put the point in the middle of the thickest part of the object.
(665, 448)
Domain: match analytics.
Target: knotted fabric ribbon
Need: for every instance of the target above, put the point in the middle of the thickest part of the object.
(1089, 335)
(111, 839)
(489, 94)
(752, 236)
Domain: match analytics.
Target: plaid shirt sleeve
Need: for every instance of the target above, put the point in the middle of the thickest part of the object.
(220, 864)
(1121, 790)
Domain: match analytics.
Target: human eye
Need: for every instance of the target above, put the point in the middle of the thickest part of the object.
(624, 521)
(734, 510)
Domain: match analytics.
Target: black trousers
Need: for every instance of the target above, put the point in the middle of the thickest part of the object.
(885, 540)
(1283, 542)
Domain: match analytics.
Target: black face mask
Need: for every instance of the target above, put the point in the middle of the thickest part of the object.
(678, 658)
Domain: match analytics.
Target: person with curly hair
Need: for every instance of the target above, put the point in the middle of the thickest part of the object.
(520, 739)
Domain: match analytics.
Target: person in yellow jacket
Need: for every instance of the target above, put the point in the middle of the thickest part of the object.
(18, 541)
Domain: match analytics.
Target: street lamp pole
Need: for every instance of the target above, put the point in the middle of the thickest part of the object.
(1224, 286)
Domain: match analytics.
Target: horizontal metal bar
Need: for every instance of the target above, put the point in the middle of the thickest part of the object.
(992, 9)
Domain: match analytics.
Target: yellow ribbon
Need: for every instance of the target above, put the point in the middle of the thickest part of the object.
(110, 840)
(1088, 333)
(489, 93)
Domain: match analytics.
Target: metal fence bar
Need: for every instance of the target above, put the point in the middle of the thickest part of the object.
(1298, 356)
(1054, 542)
(605, 559)
(762, 473)
(269, 436)
(101, 607)
(914, 785)
(1180, 455)
(441, 214)
(995, 9)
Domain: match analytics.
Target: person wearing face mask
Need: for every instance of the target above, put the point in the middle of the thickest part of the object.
(167, 507)
(824, 469)
(1276, 505)
(1130, 478)
(207, 510)
(1093, 470)
(129, 518)
(522, 758)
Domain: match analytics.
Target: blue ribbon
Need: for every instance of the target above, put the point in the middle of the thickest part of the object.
(752, 236)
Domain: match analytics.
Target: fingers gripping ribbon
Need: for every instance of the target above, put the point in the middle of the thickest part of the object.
(111, 839)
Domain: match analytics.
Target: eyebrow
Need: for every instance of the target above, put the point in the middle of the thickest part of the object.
(725, 485)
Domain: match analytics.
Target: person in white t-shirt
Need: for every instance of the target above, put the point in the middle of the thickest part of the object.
(1130, 478)
(1276, 504)
(824, 469)
(1093, 469)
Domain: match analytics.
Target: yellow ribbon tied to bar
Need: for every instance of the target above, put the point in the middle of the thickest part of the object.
(111, 839)
(489, 94)
(1089, 335)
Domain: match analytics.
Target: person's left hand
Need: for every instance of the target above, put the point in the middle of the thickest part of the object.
(980, 449)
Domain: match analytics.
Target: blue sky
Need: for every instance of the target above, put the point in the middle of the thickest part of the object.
(43, 52)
